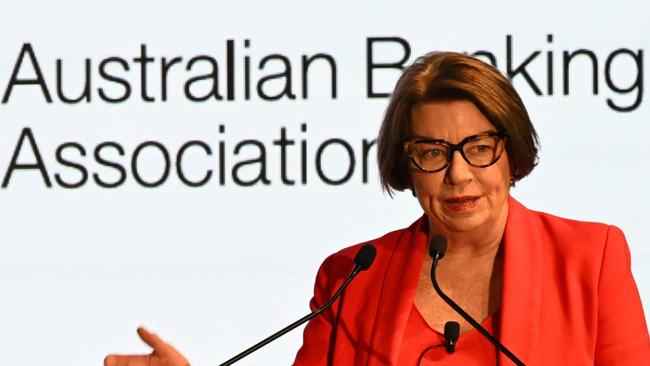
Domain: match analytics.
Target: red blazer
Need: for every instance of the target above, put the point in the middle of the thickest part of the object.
(568, 297)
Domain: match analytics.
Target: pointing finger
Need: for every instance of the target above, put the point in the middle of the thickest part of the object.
(151, 339)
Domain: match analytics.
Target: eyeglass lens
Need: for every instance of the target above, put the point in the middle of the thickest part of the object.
(481, 151)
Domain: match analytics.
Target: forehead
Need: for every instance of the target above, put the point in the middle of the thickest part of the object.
(450, 120)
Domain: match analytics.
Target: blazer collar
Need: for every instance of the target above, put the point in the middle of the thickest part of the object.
(522, 283)
(397, 294)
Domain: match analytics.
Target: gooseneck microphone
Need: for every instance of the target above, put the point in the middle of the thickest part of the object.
(362, 261)
(437, 249)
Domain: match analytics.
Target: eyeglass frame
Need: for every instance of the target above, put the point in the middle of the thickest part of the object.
(502, 135)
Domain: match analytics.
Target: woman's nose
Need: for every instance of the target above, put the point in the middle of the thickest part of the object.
(459, 171)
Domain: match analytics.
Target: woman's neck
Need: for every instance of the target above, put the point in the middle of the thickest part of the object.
(485, 240)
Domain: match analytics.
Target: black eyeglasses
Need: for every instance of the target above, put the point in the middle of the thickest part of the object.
(434, 155)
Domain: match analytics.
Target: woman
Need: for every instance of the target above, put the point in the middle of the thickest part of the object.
(554, 291)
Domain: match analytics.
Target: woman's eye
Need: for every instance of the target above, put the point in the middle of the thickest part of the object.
(480, 149)
(433, 153)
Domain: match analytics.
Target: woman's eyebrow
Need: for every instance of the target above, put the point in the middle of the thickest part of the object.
(425, 137)
(435, 138)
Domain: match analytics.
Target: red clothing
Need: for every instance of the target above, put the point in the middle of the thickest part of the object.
(471, 349)
(568, 297)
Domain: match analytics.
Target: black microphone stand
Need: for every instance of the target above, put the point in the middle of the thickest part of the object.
(357, 268)
(466, 316)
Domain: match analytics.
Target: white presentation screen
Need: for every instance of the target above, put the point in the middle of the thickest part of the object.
(187, 165)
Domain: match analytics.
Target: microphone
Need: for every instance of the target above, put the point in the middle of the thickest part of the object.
(437, 249)
(362, 261)
(365, 256)
(452, 332)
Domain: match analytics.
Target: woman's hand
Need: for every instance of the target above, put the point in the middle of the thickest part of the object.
(163, 354)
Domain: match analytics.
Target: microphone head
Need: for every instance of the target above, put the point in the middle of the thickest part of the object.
(365, 256)
(437, 246)
(452, 332)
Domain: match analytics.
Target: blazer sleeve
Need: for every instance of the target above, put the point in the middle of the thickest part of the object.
(622, 337)
(316, 336)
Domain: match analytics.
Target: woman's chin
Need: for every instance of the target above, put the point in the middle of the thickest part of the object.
(463, 223)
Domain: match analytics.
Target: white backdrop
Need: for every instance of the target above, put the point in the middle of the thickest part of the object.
(215, 268)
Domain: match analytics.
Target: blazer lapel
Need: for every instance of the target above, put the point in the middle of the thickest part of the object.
(522, 283)
(397, 293)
